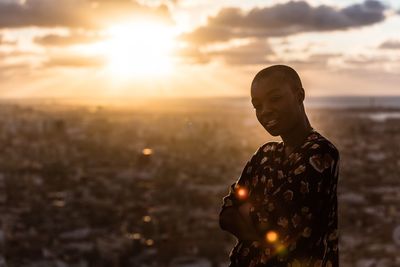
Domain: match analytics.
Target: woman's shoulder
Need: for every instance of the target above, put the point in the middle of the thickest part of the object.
(269, 147)
(319, 144)
(265, 149)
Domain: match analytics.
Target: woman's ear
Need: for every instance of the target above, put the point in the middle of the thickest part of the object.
(300, 95)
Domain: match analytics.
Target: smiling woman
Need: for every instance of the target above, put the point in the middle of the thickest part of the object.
(140, 49)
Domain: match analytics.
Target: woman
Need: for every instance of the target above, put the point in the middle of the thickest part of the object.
(283, 208)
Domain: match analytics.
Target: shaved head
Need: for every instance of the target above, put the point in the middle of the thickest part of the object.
(277, 96)
(283, 73)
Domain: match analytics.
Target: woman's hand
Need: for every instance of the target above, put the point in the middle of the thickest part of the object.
(237, 221)
(244, 211)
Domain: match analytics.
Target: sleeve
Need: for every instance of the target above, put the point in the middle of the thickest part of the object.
(239, 190)
(314, 220)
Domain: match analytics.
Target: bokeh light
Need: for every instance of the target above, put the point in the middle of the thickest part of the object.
(146, 218)
(147, 151)
(242, 193)
(149, 242)
(271, 236)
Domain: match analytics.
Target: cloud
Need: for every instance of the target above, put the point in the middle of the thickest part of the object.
(284, 19)
(6, 42)
(390, 44)
(14, 71)
(72, 39)
(192, 55)
(255, 52)
(314, 61)
(17, 53)
(74, 61)
(74, 13)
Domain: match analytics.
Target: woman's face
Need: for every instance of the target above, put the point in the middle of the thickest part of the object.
(277, 105)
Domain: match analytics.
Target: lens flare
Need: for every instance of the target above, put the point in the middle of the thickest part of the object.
(281, 249)
(271, 236)
(147, 151)
(242, 193)
(146, 218)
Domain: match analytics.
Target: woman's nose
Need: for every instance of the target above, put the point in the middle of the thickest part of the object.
(265, 111)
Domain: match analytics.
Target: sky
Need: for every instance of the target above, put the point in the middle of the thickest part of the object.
(195, 48)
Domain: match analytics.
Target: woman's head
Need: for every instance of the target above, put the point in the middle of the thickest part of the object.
(277, 95)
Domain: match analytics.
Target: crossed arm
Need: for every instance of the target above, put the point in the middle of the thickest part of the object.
(235, 214)
(236, 220)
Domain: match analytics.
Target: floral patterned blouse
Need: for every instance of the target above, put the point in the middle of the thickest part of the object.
(293, 205)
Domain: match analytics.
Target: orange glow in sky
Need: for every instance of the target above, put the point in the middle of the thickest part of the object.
(139, 48)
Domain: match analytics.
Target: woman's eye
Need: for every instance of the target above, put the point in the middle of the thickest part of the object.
(276, 97)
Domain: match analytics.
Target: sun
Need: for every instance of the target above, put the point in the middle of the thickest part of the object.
(140, 49)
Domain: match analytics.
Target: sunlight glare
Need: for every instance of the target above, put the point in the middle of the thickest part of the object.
(140, 49)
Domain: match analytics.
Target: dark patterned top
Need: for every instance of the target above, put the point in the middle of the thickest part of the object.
(293, 205)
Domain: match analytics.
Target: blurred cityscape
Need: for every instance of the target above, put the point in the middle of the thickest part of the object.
(118, 186)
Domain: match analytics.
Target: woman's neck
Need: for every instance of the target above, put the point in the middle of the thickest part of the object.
(296, 135)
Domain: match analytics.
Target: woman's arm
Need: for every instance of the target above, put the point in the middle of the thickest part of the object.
(234, 216)
(238, 223)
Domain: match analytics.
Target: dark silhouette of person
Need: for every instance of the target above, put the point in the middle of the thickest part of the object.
(283, 207)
